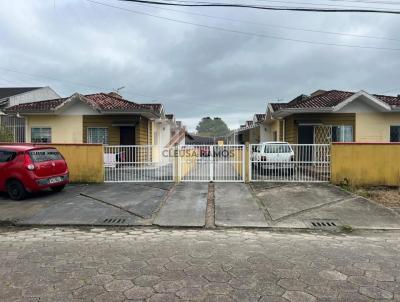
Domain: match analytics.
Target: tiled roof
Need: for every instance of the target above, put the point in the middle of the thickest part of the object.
(10, 91)
(277, 106)
(260, 117)
(98, 101)
(169, 116)
(328, 99)
(106, 102)
(41, 106)
(155, 107)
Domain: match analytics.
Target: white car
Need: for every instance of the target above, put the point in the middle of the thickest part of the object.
(273, 156)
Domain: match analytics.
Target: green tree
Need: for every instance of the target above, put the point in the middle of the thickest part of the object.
(212, 127)
(5, 135)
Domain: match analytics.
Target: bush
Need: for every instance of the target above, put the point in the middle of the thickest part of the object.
(6, 135)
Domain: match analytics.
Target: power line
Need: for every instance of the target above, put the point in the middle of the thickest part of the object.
(245, 33)
(272, 25)
(280, 1)
(274, 8)
(155, 99)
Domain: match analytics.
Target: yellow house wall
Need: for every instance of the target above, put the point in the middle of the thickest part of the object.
(366, 164)
(64, 128)
(275, 126)
(375, 127)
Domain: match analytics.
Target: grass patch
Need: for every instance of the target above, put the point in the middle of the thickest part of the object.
(386, 196)
(346, 228)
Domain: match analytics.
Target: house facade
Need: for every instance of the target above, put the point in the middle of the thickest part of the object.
(97, 118)
(12, 96)
(335, 116)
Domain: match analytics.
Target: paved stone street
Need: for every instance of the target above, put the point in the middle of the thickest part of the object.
(67, 264)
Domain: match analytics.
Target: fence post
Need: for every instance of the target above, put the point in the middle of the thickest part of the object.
(247, 163)
(177, 164)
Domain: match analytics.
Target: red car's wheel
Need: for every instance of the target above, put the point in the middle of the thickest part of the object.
(16, 190)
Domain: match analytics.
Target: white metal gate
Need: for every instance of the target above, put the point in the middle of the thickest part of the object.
(289, 163)
(13, 128)
(139, 164)
(219, 163)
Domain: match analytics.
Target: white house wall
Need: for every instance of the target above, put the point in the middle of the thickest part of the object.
(36, 95)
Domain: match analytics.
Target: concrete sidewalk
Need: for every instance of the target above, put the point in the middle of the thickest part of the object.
(297, 205)
(185, 207)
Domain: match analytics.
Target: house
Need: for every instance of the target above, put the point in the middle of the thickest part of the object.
(334, 116)
(253, 131)
(12, 96)
(192, 139)
(95, 118)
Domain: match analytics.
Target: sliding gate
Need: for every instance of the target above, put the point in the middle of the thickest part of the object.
(195, 163)
(219, 163)
(290, 162)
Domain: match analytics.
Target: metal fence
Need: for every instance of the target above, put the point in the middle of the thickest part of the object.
(12, 129)
(219, 163)
(138, 164)
(277, 162)
(289, 162)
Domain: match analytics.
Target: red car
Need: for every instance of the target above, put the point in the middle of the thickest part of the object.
(28, 168)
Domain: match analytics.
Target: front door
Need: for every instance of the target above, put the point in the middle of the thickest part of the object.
(127, 135)
(305, 137)
(127, 138)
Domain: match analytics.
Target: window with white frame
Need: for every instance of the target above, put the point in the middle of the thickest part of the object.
(41, 135)
(343, 133)
(395, 134)
(97, 135)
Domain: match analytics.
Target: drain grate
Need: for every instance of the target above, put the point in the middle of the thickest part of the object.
(113, 221)
(324, 224)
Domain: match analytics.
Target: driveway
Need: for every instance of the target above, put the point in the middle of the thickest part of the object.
(311, 205)
(258, 205)
(95, 204)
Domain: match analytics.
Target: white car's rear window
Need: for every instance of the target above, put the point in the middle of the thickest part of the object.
(277, 148)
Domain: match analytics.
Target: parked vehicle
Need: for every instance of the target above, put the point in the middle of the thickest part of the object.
(27, 168)
(273, 156)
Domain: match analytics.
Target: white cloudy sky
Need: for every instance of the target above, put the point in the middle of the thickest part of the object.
(80, 46)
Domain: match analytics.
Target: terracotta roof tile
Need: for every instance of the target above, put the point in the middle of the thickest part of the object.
(106, 102)
(328, 99)
(42, 106)
(260, 117)
(98, 101)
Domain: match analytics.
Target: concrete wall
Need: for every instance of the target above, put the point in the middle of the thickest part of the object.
(85, 161)
(366, 164)
(375, 127)
(64, 128)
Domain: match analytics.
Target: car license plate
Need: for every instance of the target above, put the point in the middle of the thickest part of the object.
(55, 180)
